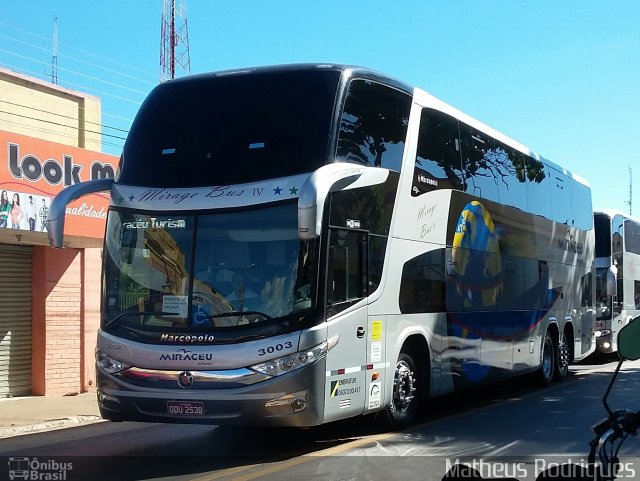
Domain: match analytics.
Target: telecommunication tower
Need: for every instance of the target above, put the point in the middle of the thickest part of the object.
(174, 41)
(630, 193)
(54, 57)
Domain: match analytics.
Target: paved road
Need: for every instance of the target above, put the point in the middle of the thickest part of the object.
(513, 430)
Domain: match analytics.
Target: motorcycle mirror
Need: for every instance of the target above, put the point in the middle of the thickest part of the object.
(629, 341)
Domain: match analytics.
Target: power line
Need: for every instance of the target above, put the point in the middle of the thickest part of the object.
(101, 67)
(62, 102)
(58, 133)
(63, 116)
(74, 72)
(86, 52)
(38, 75)
(61, 125)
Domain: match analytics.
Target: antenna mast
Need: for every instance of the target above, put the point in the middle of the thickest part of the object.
(174, 40)
(54, 58)
(630, 192)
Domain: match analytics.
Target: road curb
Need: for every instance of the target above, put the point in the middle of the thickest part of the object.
(73, 421)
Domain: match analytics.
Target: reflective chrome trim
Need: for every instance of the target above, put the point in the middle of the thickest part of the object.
(165, 379)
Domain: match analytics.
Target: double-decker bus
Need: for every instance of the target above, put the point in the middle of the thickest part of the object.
(617, 275)
(295, 245)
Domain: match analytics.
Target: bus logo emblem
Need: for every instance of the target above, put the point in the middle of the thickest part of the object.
(185, 379)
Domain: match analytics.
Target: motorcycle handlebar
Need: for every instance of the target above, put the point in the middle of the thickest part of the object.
(630, 423)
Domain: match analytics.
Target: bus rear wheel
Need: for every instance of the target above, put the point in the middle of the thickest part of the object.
(547, 368)
(562, 360)
(407, 393)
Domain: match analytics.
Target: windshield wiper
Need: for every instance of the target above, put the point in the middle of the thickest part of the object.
(137, 313)
(236, 314)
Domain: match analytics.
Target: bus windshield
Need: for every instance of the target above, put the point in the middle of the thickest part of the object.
(218, 130)
(203, 271)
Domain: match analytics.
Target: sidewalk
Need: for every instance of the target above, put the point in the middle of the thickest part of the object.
(24, 415)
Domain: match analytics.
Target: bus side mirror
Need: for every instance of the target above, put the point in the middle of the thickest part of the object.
(58, 207)
(330, 178)
(629, 341)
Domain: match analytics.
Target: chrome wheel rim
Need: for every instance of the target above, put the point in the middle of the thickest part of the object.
(403, 387)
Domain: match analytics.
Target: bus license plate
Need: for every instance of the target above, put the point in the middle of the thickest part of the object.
(186, 408)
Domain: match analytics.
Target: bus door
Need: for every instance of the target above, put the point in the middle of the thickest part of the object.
(346, 291)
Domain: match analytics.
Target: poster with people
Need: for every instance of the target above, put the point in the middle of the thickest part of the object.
(33, 171)
(24, 211)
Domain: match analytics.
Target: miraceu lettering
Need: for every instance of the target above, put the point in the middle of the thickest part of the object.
(54, 172)
(570, 245)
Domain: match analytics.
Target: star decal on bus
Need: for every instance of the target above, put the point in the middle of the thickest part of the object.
(293, 190)
(277, 191)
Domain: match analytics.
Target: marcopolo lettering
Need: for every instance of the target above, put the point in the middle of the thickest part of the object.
(187, 338)
(54, 172)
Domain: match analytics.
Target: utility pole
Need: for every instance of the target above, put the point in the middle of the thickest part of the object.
(174, 40)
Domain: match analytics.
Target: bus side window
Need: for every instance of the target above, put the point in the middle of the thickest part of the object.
(480, 166)
(422, 288)
(373, 126)
(438, 163)
(346, 272)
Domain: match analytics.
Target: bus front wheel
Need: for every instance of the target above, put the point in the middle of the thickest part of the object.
(407, 392)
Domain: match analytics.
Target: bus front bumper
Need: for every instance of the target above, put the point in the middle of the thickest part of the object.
(295, 399)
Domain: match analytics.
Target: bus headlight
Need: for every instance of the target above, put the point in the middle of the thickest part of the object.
(110, 364)
(603, 332)
(291, 362)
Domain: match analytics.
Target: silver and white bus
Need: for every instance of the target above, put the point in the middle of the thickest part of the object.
(617, 275)
(295, 245)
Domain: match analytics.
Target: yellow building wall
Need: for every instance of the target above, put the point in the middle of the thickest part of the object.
(47, 111)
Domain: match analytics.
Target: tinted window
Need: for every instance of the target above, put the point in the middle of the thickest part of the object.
(561, 198)
(538, 190)
(480, 163)
(473, 280)
(367, 208)
(438, 164)
(581, 206)
(602, 225)
(217, 130)
(631, 237)
(377, 250)
(511, 184)
(513, 285)
(422, 288)
(346, 275)
(617, 235)
(373, 126)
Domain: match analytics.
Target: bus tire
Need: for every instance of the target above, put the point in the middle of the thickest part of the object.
(562, 360)
(547, 369)
(408, 393)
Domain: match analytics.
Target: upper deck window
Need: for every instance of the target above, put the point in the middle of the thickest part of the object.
(373, 126)
(232, 129)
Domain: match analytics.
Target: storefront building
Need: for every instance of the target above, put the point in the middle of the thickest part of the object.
(49, 298)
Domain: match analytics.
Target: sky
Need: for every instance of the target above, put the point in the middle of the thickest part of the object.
(561, 77)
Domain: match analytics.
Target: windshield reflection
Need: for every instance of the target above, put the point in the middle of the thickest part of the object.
(206, 271)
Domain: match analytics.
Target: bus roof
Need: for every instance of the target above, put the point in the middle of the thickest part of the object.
(421, 95)
(614, 212)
